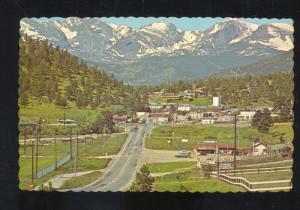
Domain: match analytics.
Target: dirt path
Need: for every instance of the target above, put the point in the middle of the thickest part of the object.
(158, 156)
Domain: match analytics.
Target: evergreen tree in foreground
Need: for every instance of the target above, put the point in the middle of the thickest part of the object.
(143, 181)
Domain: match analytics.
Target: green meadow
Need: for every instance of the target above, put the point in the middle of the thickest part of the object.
(192, 181)
(199, 133)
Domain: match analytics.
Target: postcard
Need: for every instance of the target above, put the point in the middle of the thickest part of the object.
(156, 104)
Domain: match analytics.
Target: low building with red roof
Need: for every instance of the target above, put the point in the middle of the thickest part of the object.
(210, 148)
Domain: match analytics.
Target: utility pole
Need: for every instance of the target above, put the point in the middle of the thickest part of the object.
(55, 151)
(217, 155)
(71, 152)
(64, 116)
(77, 148)
(32, 162)
(25, 138)
(37, 147)
(76, 154)
(234, 157)
(103, 146)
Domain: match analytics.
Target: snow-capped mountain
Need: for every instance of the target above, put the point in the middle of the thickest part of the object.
(101, 43)
(97, 39)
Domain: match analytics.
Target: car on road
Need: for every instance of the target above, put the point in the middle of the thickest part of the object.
(183, 153)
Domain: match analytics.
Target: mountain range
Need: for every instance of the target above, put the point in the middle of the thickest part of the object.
(160, 52)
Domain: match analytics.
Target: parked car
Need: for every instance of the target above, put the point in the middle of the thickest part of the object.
(183, 153)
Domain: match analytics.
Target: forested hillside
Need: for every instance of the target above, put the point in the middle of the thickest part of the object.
(280, 63)
(49, 75)
(274, 89)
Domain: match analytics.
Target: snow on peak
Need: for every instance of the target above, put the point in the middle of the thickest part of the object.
(190, 36)
(73, 21)
(284, 26)
(68, 33)
(160, 26)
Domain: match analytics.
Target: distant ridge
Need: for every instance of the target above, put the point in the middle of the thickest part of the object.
(147, 55)
(279, 63)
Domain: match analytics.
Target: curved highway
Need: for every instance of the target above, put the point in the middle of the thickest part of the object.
(121, 172)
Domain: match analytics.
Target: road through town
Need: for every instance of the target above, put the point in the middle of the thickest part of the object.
(121, 172)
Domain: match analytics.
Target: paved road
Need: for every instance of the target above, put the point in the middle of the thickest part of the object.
(121, 172)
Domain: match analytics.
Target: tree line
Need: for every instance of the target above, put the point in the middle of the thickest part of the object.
(53, 75)
(275, 89)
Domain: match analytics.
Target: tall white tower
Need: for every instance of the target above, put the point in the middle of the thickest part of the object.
(217, 101)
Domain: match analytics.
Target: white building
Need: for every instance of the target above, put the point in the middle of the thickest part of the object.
(208, 120)
(217, 101)
(142, 114)
(196, 115)
(258, 149)
(184, 108)
(158, 118)
(246, 115)
(225, 119)
(182, 118)
(155, 107)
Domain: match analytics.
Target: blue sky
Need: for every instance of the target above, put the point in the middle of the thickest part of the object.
(184, 23)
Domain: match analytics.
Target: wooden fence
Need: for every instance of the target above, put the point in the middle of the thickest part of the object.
(250, 186)
(256, 170)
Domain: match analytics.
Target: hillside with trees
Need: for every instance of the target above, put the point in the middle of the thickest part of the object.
(53, 78)
(275, 89)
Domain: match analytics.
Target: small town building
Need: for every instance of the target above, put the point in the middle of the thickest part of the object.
(155, 107)
(119, 118)
(184, 108)
(142, 114)
(182, 118)
(211, 148)
(195, 115)
(199, 93)
(258, 149)
(208, 120)
(246, 115)
(217, 101)
(159, 117)
(172, 97)
(225, 119)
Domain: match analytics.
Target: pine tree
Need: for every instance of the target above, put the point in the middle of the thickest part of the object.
(143, 181)
(262, 120)
(61, 101)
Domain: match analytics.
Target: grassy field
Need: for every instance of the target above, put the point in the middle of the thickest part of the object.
(51, 112)
(204, 101)
(80, 181)
(25, 169)
(46, 150)
(169, 166)
(183, 181)
(267, 176)
(197, 101)
(112, 145)
(82, 165)
(199, 133)
(108, 144)
(85, 164)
